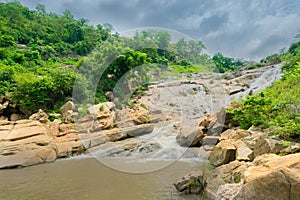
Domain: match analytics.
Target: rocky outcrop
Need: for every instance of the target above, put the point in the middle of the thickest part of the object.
(34, 141)
(25, 143)
(272, 177)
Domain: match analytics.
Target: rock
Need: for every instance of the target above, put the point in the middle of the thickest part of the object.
(91, 142)
(192, 183)
(33, 156)
(3, 118)
(190, 139)
(262, 145)
(235, 89)
(136, 116)
(243, 152)
(115, 135)
(70, 148)
(3, 106)
(210, 140)
(23, 131)
(139, 130)
(149, 148)
(228, 191)
(40, 116)
(272, 178)
(216, 125)
(232, 173)
(67, 112)
(292, 148)
(67, 107)
(232, 134)
(107, 106)
(105, 120)
(190, 134)
(15, 117)
(223, 153)
(204, 152)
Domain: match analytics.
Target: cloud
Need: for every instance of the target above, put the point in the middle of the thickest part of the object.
(249, 29)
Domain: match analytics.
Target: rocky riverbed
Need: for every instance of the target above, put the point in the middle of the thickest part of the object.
(174, 119)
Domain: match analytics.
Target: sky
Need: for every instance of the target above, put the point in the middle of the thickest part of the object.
(250, 29)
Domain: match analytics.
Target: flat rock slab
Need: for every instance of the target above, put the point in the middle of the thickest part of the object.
(139, 130)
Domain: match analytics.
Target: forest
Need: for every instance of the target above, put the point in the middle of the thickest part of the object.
(42, 54)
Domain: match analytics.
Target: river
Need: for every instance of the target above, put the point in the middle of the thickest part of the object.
(141, 168)
(87, 178)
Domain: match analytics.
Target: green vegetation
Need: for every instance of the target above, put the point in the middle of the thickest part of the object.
(224, 64)
(278, 106)
(41, 54)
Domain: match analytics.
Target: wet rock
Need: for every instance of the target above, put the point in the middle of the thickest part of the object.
(223, 153)
(149, 148)
(192, 183)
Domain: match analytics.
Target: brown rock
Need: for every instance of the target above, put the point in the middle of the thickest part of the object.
(15, 117)
(22, 131)
(115, 135)
(40, 116)
(272, 178)
(139, 130)
(232, 134)
(192, 183)
(223, 153)
(243, 152)
(262, 145)
(32, 156)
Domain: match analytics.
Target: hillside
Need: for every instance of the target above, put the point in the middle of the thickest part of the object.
(42, 54)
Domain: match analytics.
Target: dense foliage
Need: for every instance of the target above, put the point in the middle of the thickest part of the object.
(278, 106)
(41, 54)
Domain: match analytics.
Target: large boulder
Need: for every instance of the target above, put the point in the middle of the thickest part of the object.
(190, 134)
(189, 138)
(272, 178)
(192, 183)
(223, 153)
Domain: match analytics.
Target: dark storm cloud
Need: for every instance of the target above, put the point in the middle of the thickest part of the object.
(250, 29)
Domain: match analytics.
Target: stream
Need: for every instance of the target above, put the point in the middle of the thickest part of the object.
(144, 167)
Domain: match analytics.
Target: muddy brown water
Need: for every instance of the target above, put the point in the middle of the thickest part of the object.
(88, 178)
